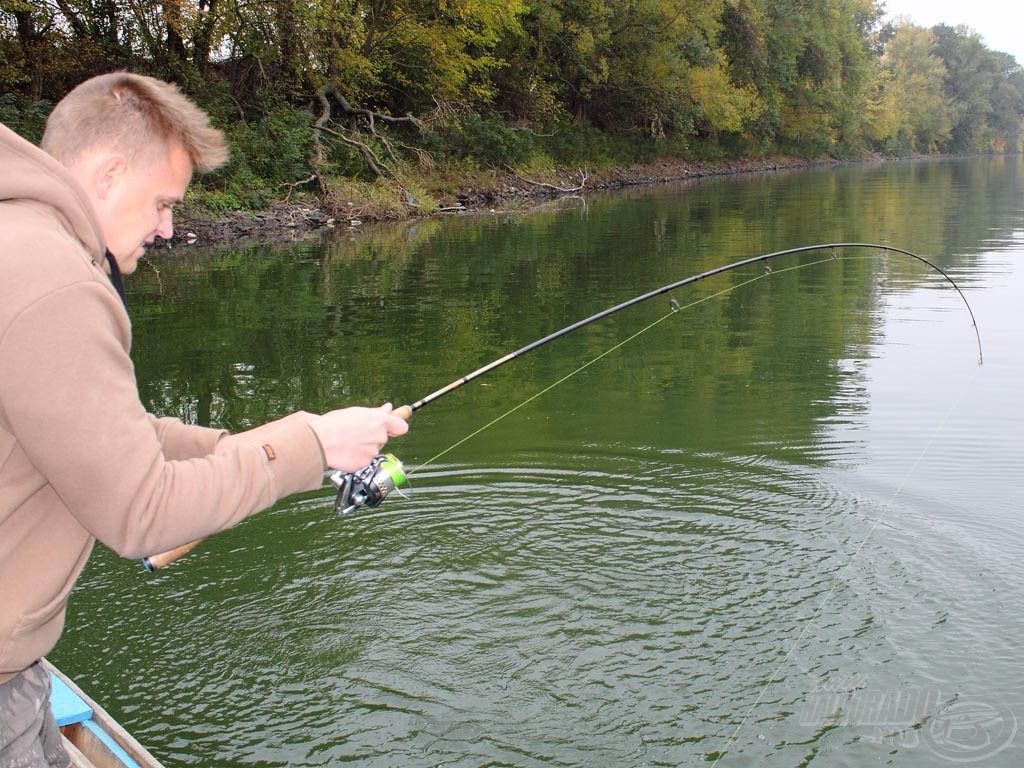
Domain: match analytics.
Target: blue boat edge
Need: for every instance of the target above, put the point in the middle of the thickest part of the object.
(92, 737)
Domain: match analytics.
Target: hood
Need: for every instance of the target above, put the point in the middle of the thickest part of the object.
(31, 174)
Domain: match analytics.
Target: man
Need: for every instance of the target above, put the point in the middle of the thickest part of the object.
(80, 458)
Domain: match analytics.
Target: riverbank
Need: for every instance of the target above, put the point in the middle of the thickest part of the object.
(490, 191)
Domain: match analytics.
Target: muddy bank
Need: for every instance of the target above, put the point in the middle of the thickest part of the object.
(502, 191)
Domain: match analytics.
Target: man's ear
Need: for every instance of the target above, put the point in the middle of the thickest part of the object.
(108, 173)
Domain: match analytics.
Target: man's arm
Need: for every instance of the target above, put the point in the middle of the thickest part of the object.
(69, 393)
(185, 441)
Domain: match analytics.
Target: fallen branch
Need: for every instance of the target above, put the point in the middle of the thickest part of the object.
(374, 163)
(291, 186)
(560, 190)
(370, 115)
(354, 115)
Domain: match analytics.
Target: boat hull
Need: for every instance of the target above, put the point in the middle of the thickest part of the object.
(92, 737)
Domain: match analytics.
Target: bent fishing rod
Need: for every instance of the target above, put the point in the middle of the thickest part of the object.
(406, 411)
(369, 486)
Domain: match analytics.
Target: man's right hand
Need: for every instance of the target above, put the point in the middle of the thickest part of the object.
(352, 437)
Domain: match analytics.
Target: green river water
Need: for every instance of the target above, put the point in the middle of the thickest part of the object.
(781, 527)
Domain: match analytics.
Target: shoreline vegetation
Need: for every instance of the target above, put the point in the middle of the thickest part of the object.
(370, 110)
(302, 216)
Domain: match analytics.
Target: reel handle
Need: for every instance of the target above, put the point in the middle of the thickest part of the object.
(404, 412)
(156, 562)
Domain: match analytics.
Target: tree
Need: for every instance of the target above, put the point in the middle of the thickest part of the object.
(810, 63)
(978, 86)
(908, 108)
(662, 65)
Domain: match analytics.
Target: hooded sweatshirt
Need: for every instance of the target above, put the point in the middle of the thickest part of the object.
(80, 458)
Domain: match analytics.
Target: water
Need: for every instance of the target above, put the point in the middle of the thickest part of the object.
(779, 528)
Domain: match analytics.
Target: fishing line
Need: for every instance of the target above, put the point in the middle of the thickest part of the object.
(674, 308)
(833, 247)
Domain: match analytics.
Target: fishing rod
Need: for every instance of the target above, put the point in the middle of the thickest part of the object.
(406, 411)
(369, 486)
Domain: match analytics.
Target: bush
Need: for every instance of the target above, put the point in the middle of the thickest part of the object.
(266, 155)
(24, 116)
(481, 141)
(575, 144)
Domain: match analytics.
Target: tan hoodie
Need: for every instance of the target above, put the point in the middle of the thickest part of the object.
(80, 458)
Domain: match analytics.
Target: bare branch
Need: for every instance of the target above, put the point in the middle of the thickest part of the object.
(561, 190)
(369, 115)
(328, 92)
(291, 186)
(369, 157)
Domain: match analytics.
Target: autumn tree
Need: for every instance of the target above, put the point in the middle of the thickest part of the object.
(346, 86)
(908, 110)
(810, 63)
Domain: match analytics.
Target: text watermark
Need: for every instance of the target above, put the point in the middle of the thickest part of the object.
(960, 729)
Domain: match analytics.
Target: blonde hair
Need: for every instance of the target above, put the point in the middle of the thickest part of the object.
(134, 114)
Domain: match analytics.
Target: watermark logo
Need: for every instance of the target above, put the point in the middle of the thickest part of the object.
(970, 729)
(961, 729)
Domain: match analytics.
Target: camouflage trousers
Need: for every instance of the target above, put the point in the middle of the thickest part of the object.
(29, 737)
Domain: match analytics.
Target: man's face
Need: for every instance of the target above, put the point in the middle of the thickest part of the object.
(137, 203)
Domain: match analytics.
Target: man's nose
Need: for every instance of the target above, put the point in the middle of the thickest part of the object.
(166, 227)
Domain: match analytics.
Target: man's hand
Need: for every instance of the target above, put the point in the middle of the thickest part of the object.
(352, 437)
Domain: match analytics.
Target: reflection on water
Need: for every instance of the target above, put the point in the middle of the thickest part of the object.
(801, 491)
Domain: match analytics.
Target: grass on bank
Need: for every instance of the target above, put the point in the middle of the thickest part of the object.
(279, 158)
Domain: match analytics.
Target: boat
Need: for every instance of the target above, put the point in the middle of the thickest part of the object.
(91, 736)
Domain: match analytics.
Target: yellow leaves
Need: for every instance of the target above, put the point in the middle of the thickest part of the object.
(883, 116)
(907, 96)
(725, 105)
(494, 14)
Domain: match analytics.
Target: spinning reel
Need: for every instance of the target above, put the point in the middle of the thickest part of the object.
(370, 485)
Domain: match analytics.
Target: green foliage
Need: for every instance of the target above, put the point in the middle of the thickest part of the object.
(481, 141)
(908, 108)
(563, 82)
(266, 155)
(573, 144)
(278, 146)
(24, 116)
(983, 87)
